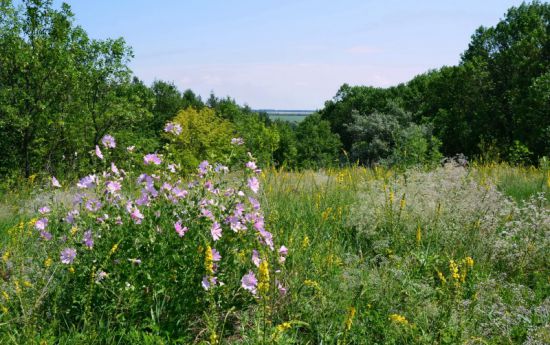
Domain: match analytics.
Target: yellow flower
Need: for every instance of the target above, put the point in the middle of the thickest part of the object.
(392, 196)
(6, 256)
(441, 277)
(209, 260)
(402, 203)
(399, 319)
(27, 284)
(469, 261)
(5, 310)
(311, 283)
(5, 295)
(418, 234)
(305, 242)
(263, 281)
(48, 262)
(71, 269)
(114, 248)
(284, 326)
(74, 229)
(349, 320)
(453, 268)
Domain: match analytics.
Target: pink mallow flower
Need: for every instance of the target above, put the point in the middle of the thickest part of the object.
(98, 152)
(256, 258)
(41, 224)
(216, 256)
(108, 141)
(44, 210)
(113, 186)
(68, 255)
(216, 231)
(181, 230)
(254, 184)
(55, 182)
(152, 158)
(249, 282)
(136, 215)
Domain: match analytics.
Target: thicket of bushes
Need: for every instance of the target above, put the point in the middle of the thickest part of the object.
(61, 91)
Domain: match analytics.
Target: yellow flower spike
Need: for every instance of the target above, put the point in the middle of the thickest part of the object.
(114, 248)
(399, 319)
(418, 235)
(5, 310)
(74, 229)
(209, 260)
(17, 287)
(6, 256)
(48, 262)
(5, 295)
(441, 278)
(453, 268)
(392, 196)
(349, 320)
(469, 261)
(263, 281)
(402, 203)
(305, 242)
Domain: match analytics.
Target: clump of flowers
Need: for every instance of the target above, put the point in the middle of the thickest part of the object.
(152, 232)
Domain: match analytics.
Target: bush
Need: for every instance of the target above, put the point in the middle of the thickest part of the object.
(143, 249)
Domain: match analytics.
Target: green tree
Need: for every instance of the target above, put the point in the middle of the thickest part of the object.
(317, 145)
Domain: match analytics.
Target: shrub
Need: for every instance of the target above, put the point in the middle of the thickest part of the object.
(146, 249)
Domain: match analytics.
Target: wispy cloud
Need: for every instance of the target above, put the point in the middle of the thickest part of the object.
(363, 49)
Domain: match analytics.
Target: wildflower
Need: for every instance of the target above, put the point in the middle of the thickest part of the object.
(71, 216)
(44, 210)
(136, 215)
(172, 168)
(114, 248)
(237, 141)
(5, 295)
(249, 282)
(100, 276)
(88, 239)
(98, 152)
(208, 282)
(281, 288)
(399, 319)
(204, 166)
(93, 205)
(41, 224)
(27, 284)
(284, 326)
(55, 182)
(453, 268)
(305, 242)
(469, 261)
(6, 256)
(263, 283)
(174, 128)
(45, 235)
(152, 158)
(71, 269)
(251, 165)
(255, 203)
(108, 141)
(135, 261)
(254, 184)
(215, 255)
(68, 255)
(418, 234)
(209, 260)
(113, 186)
(48, 262)
(86, 182)
(441, 277)
(216, 231)
(179, 229)
(256, 258)
(5, 310)
(130, 148)
(349, 319)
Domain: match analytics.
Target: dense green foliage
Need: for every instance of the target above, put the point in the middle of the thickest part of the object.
(495, 101)
(495, 104)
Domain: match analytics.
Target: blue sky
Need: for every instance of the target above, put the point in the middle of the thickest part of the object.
(287, 54)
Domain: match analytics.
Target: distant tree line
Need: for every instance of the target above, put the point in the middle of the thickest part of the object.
(61, 92)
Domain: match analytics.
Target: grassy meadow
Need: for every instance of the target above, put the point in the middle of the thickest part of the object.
(443, 256)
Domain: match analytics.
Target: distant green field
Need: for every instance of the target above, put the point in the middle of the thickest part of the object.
(289, 118)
